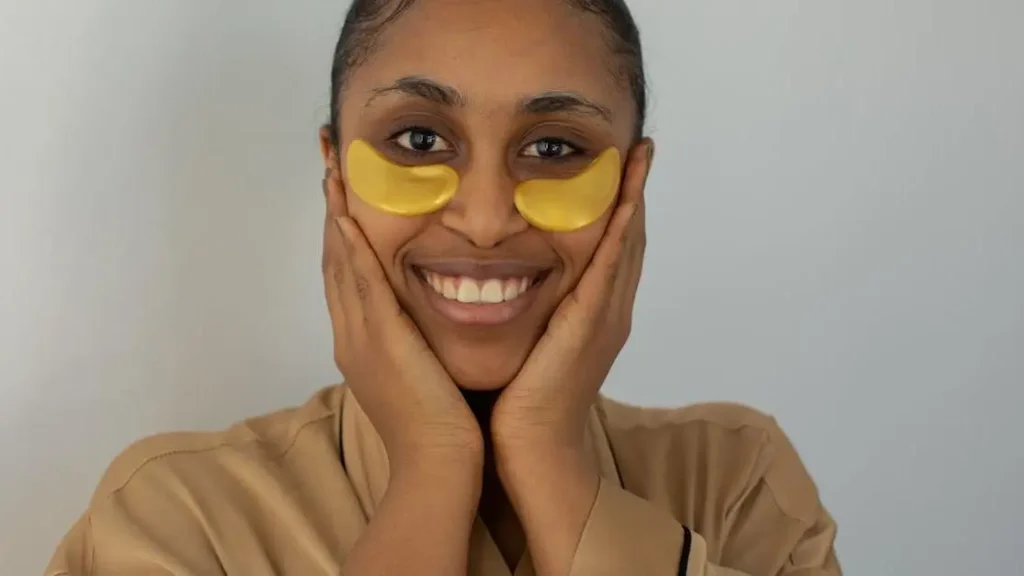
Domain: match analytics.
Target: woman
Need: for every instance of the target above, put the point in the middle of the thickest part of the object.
(485, 170)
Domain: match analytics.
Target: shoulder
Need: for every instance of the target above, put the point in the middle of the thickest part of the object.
(177, 499)
(254, 442)
(725, 451)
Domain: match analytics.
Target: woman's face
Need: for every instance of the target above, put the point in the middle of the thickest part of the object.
(502, 91)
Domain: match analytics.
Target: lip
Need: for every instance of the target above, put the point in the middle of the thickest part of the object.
(481, 269)
(480, 314)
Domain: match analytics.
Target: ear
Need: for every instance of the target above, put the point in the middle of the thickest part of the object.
(637, 169)
(333, 186)
(328, 150)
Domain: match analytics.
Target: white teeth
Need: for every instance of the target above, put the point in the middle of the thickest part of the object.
(511, 290)
(492, 292)
(447, 288)
(472, 291)
(469, 291)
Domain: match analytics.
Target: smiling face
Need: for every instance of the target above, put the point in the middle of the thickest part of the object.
(503, 92)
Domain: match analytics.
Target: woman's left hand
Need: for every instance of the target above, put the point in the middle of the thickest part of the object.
(539, 423)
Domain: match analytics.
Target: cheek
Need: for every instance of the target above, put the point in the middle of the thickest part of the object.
(577, 248)
(386, 233)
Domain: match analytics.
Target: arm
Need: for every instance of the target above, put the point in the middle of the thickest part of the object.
(626, 534)
(767, 521)
(423, 523)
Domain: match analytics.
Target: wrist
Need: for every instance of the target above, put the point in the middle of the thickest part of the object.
(536, 429)
(443, 462)
(452, 449)
(452, 479)
(553, 494)
(543, 450)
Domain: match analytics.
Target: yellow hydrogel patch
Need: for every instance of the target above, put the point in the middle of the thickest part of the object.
(401, 190)
(557, 205)
(570, 204)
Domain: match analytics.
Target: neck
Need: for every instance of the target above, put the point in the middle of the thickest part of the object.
(495, 509)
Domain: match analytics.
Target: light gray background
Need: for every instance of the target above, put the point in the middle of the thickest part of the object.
(836, 232)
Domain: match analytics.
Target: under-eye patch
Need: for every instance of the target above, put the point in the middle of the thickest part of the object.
(401, 190)
(557, 205)
(563, 205)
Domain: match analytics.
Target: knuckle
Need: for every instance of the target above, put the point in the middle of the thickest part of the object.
(362, 287)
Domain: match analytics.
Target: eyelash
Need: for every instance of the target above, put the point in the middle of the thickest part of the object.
(575, 150)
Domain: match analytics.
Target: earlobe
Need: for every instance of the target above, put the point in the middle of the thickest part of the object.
(326, 143)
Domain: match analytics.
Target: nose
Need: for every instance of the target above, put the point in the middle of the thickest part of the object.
(483, 210)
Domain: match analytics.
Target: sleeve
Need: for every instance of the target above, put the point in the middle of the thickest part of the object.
(134, 533)
(776, 527)
(74, 554)
(149, 526)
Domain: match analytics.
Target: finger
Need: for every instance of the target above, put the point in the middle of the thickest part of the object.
(627, 282)
(618, 245)
(368, 281)
(334, 192)
(335, 273)
(334, 257)
(631, 259)
(638, 165)
(353, 273)
(603, 269)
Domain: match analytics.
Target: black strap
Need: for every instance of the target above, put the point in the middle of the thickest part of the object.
(684, 558)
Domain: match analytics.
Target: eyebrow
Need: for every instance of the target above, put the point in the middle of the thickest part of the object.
(545, 103)
(419, 87)
(567, 102)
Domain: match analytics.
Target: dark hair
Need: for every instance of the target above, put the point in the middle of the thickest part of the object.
(367, 18)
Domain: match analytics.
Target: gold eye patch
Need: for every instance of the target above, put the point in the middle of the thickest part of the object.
(570, 204)
(401, 190)
(558, 205)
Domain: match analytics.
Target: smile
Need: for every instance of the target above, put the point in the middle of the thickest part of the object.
(479, 293)
(474, 291)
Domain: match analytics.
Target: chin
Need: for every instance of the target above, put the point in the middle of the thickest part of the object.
(484, 370)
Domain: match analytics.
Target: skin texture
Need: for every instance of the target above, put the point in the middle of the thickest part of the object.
(519, 453)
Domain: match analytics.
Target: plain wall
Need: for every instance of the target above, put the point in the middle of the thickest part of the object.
(836, 232)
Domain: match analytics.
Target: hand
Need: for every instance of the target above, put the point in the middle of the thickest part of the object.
(539, 422)
(552, 394)
(412, 402)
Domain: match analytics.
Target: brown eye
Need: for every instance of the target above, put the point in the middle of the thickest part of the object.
(421, 140)
(549, 148)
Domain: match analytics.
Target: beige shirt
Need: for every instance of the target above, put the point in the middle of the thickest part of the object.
(708, 490)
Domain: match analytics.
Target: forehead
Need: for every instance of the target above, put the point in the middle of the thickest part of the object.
(496, 52)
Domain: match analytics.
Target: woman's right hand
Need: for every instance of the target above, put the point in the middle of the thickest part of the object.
(411, 400)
